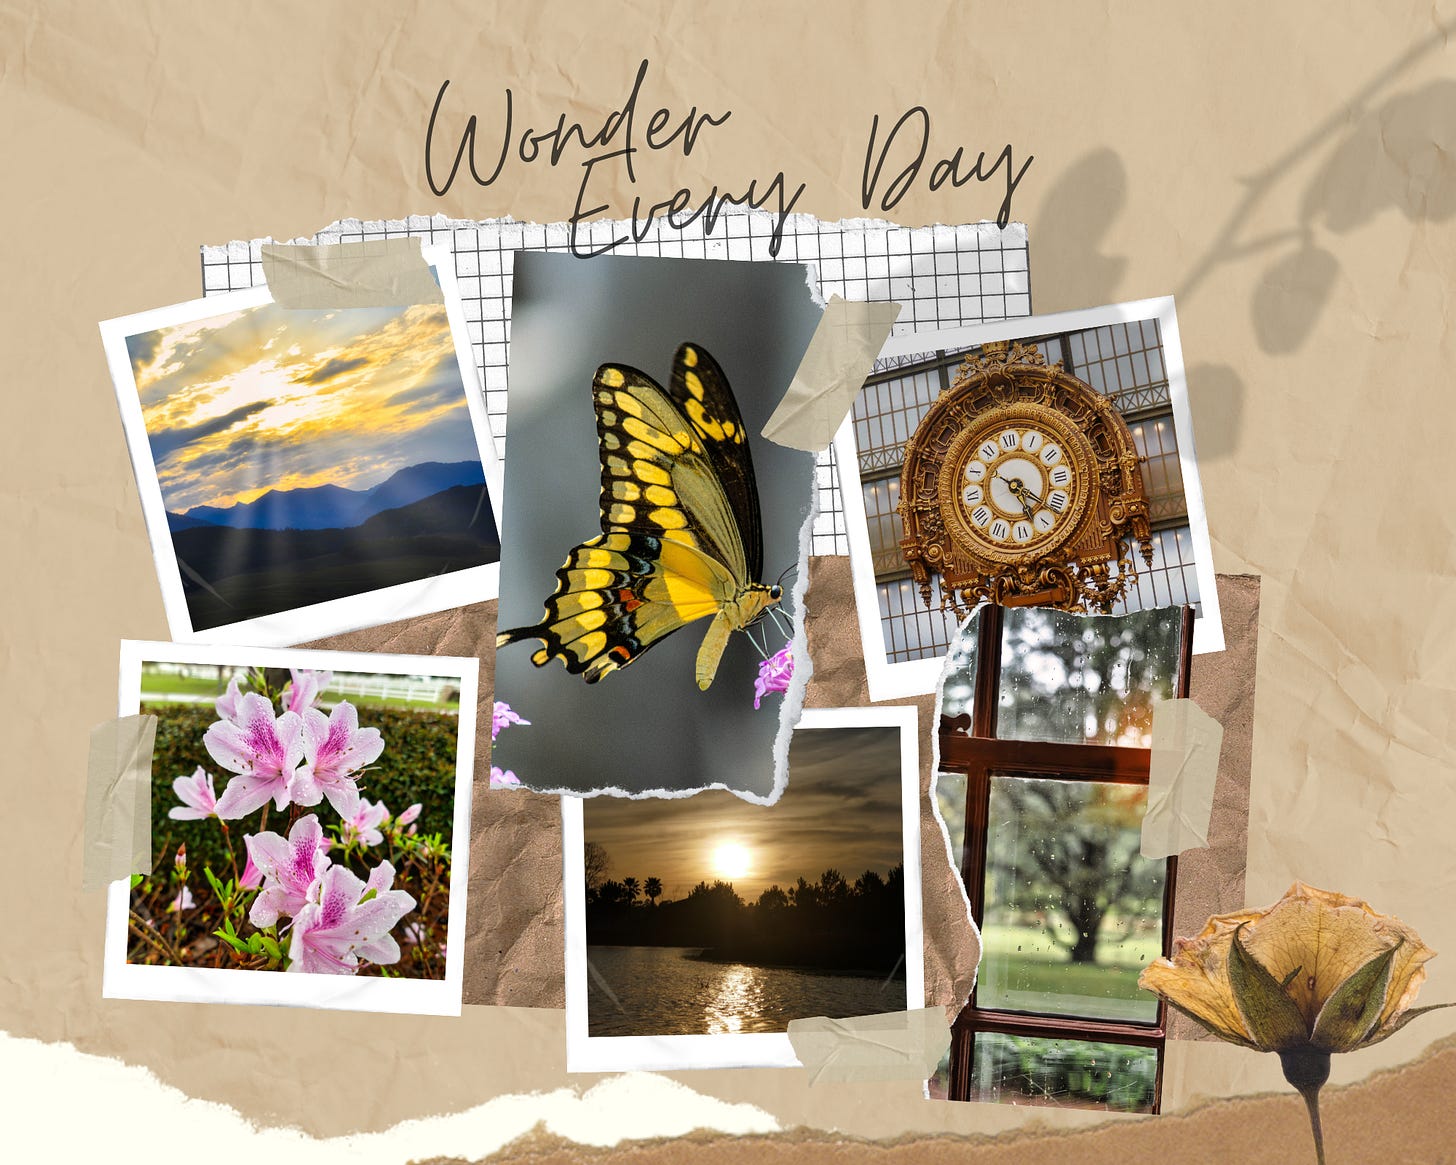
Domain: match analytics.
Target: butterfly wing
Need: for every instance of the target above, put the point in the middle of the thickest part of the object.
(671, 551)
(619, 594)
(701, 391)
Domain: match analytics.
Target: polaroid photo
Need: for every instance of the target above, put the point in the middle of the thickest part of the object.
(1128, 352)
(653, 591)
(307, 472)
(698, 927)
(310, 829)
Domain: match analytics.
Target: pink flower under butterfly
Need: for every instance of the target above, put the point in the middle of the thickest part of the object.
(774, 674)
(335, 748)
(263, 749)
(334, 934)
(198, 797)
(290, 869)
(503, 716)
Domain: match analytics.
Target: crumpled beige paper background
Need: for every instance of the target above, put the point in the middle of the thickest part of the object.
(1289, 171)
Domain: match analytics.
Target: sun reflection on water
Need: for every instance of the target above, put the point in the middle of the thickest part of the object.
(734, 1000)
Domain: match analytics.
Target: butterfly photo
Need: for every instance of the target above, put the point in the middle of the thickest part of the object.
(644, 514)
(681, 538)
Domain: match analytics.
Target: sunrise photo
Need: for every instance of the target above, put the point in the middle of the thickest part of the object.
(711, 916)
(302, 456)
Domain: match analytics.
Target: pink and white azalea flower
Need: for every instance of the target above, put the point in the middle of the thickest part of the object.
(198, 797)
(300, 694)
(409, 814)
(335, 934)
(335, 748)
(183, 901)
(363, 825)
(774, 674)
(291, 869)
(263, 749)
(227, 704)
(252, 877)
(502, 716)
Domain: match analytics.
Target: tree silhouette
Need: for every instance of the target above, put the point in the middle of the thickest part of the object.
(633, 888)
(653, 889)
(597, 863)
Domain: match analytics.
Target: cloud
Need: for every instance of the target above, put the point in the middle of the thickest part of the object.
(168, 440)
(332, 369)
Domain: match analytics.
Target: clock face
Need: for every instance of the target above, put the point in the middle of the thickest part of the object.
(1017, 489)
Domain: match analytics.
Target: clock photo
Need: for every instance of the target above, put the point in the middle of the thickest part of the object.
(1021, 484)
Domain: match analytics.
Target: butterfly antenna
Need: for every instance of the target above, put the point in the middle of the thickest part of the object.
(788, 570)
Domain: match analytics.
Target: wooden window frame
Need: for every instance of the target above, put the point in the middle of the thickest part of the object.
(978, 756)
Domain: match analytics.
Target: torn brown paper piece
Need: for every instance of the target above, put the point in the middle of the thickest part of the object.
(1181, 775)
(371, 273)
(898, 1045)
(840, 355)
(119, 801)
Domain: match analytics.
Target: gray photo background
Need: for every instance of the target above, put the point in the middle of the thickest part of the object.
(645, 727)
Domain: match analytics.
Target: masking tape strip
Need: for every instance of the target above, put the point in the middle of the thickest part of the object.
(899, 1045)
(1181, 776)
(840, 355)
(119, 801)
(372, 273)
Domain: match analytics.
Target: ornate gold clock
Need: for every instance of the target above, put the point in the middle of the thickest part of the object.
(1022, 485)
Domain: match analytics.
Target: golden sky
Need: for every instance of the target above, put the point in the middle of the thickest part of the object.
(268, 398)
(841, 809)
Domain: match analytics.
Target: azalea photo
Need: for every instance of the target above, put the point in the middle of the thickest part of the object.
(306, 816)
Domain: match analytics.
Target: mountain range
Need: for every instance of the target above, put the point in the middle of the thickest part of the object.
(332, 507)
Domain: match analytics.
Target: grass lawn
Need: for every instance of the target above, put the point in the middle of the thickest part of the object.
(1022, 970)
(164, 689)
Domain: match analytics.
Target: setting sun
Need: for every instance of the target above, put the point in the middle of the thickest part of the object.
(731, 859)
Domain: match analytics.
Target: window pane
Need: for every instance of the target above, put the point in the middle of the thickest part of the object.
(1068, 1073)
(1073, 911)
(959, 689)
(950, 799)
(1085, 679)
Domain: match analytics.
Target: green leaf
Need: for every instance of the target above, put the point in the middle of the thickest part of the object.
(136, 880)
(255, 944)
(1272, 1017)
(1349, 1014)
(231, 940)
(275, 952)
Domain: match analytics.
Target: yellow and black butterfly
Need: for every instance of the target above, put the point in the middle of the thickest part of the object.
(680, 537)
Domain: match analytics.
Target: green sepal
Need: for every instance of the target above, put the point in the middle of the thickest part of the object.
(1273, 1019)
(1349, 1014)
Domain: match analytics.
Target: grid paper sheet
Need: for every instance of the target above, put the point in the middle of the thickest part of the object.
(945, 276)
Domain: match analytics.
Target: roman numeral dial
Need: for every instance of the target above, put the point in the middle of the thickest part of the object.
(1018, 491)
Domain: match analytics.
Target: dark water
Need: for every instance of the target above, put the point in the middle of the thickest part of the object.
(663, 992)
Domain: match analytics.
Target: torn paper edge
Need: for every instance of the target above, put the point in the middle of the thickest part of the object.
(1182, 773)
(841, 354)
(588, 1053)
(118, 829)
(892, 681)
(389, 272)
(123, 980)
(896, 1045)
(384, 605)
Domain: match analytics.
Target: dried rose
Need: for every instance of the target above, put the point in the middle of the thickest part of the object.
(1316, 973)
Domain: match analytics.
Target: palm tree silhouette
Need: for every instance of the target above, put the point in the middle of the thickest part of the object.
(653, 889)
(633, 888)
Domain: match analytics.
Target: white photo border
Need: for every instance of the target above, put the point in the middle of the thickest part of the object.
(350, 613)
(893, 681)
(123, 980)
(588, 1053)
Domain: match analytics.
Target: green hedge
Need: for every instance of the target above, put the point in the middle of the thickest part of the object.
(418, 764)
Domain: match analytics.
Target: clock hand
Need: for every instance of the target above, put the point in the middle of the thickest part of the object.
(1020, 493)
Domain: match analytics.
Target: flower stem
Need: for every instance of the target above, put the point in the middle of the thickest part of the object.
(1308, 1069)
